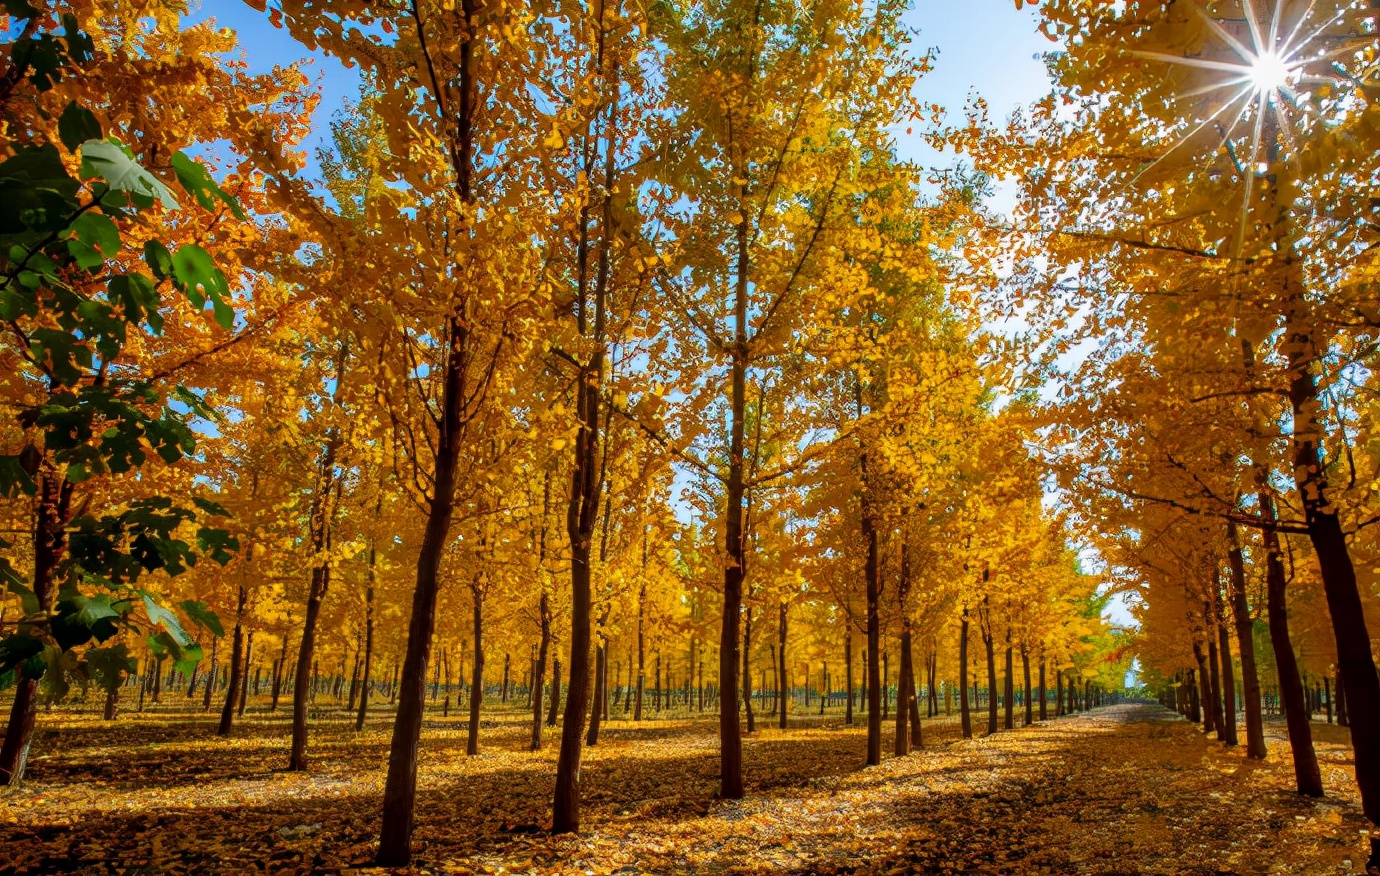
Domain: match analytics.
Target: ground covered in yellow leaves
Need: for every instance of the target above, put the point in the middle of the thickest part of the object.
(1126, 789)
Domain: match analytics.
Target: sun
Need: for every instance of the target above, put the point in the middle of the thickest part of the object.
(1269, 72)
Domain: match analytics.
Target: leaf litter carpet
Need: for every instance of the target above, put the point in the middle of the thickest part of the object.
(1124, 790)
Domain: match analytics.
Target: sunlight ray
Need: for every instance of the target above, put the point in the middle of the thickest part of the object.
(1189, 136)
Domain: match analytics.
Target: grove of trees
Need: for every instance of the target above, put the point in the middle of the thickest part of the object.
(611, 359)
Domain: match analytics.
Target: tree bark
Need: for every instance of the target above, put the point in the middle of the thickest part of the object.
(1307, 778)
(874, 636)
(1009, 688)
(52, 515)
(1354, 656)
(1227, 677)
(1245, 643)
(747, 673)
(848, 668)
(1025, 669)
(964, 710)
(369, 580)
(248, 664)
(210, 679)
(477, 671)
(781, 683)
(227, 712)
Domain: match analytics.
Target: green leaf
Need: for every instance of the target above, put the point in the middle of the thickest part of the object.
(194, 178)
(14, 479)
(190, 657)
(160, 616)
(20, 9)
(76, 126)
(199, 278)
(97, 240)
(138, 297)
(28, 600)
(18, 648)
(202, 616)
(158, 258)
(210, 507)
(108, 160)
(218, 544)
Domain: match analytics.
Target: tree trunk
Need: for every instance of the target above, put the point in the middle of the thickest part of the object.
(539, 673)
(988, 646)
(781, 684)
(641, 652)
(367, 679)
(965, 712)
(210, 679)
(1226, 677)
(1043, 692)
(50, 546)
(1354, 656)
(596, 711)
(848, 669)
(1025, 670)
(248, 663)
(1307, 778)
(555, 709)
(1009, 688)
(874, 637)
(1245, 643)
(503, 692)
(735, 543)
(747, 673)
(227, 712)
(477, 672)
(905, 694)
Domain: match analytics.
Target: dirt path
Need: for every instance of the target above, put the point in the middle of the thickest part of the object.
(1127, 789)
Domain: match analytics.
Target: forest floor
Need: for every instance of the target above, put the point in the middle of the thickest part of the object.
(1122, 790)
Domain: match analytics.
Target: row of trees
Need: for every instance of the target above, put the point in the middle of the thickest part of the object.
(1193, 250)
(605, 331)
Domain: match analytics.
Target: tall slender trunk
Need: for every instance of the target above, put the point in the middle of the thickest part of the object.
(1354, 655)
(279, 672)
(905, 697)
(985, 615)
(248, 664)
(1025, 670)
(781, 683)
(596, 712)
(1044, 695)
(1245, 644)
(210, 679)
(52, 515)
(354, 674)
(874, 636)
(477, 670)
(905, 682)
(367, 679)
(641, 652)
(965, 712)
(554, 710)
(747, 673)
(1009, 688)
(539, 674)
(227, 712)
(1227, 674)
(848, 668)
(585, 486)
(507, 670)
(1306, 776)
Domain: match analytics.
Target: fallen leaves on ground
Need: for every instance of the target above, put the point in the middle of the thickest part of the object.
(1127, 789)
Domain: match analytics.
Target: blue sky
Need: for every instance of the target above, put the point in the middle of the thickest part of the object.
(984, 47)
